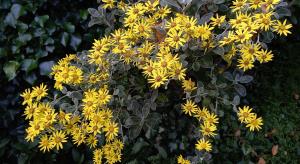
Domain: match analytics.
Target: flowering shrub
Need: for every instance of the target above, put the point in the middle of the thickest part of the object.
(106, 96)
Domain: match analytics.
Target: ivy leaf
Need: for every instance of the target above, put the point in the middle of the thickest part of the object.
(40, 20)
(17, 10)
(75, 41)
(10, 69)
(64, 39)
(10, 20)
(45, 67)
(28, 65)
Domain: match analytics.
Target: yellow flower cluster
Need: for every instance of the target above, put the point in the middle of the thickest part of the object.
(208, 123)
(65, 73)
(246, 116)
(53, 127)
(243, 35)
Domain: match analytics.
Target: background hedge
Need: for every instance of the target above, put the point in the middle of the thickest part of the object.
(35, 34)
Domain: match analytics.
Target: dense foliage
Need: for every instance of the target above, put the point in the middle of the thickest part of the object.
(34, 34)
(148, 117)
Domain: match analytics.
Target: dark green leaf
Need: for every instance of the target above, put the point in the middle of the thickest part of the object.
(28, 65)
(75, 41)
(64, 39)
(10, 69)
(45, 67)
(41, 20)
(17, 10)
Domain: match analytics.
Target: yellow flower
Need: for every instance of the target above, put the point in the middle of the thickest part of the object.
(201, 113)
(103, 96)
(264, 21)
(217, 21)
(158, 78)
(162, 12)
(142, 29)
(175, 38)
(203, 144)
(78, 138)
(264, 56)
(245, 114)
(282, 28)
(242, 35)
(245, 63)
(40, 92)
(208, 129)
(148, 68)
(203, 31)
(121, 48)
(97, 156)
(177, 71)
(30, 111)
(108, 4)
(188, 85)
(111, 130)
(49, 117)
(27, 96)
(189, 108)
(45, 144)
(63, 117)
(92, 141)
(151, 5)
(173, 24)
(181, 160)
(254, 123)
(270, 3)
(136, 11)
(250, 50)
(238, 5)
(227, 39)
(211, 118)
(58, 138)
(255, 4)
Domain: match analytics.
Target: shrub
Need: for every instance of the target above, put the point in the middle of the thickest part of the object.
(193, 65)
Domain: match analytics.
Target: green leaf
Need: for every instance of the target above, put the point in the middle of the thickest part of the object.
(77, 156)
(267, 36)
(69, 27)
(283, 12)
(4, 142)
(10, 20)
(10, 69)
(40, 20)
(45, 67)
(162, 152)
(75, 41)
(64, 39)
(196, 66)
(17, 10)
(138, 146)
(28, 65)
